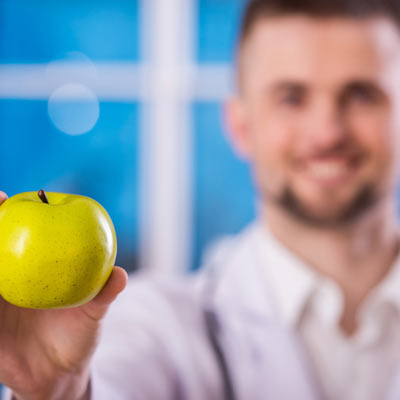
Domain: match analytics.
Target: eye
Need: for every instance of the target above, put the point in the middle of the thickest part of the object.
(294, 99)
(362, 94)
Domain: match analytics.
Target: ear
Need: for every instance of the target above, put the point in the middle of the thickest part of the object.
(236, 126)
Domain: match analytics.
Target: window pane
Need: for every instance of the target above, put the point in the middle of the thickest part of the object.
(43, 30)
(101, 164)
(217, 27)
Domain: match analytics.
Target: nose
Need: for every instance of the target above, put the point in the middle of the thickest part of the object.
(325, 127)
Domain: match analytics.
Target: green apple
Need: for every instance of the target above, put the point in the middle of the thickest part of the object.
(56, 251)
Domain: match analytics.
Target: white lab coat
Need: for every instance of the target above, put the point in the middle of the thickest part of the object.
(154, 344)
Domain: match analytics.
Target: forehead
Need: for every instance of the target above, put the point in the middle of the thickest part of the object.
(304, 48)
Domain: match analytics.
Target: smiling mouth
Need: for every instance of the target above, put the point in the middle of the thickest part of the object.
(331, 171)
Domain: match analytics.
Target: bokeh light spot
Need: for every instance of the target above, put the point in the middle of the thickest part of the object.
(74, 109)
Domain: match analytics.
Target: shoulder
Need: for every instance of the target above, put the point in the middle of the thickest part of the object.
(156, 329)
(230, 252)
(155, 299)
(145, 290)
(149, 298)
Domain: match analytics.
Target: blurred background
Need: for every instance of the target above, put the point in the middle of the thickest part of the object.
(120, 100)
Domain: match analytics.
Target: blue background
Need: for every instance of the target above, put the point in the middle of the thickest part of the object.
(222, 186)
(42, 30)
(103, 163)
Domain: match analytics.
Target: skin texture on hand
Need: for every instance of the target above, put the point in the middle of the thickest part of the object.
(3, 197)
(46, 353)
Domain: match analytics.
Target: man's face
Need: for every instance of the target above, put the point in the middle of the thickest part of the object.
(318, 114)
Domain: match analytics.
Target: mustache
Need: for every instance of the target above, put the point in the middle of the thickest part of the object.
(348, 152)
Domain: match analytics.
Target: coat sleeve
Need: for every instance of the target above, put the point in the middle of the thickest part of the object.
(153, 347)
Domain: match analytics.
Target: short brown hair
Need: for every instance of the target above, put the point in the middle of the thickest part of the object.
(358, 9)
(256, 9)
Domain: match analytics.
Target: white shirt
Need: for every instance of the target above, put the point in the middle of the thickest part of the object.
(360, 367)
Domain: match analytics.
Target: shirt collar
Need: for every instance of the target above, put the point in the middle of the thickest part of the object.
(294, 283)
(388, 290)
(291, 280)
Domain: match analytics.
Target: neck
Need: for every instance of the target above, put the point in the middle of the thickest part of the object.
(356, 257)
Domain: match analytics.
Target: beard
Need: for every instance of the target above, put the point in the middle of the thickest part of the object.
(365, 199)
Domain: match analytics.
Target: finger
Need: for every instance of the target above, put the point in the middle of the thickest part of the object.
(3, 197)
(116, 283)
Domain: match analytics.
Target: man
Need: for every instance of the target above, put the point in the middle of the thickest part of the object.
(304, 304)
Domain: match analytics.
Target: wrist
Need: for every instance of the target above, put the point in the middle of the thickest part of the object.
(67, 388)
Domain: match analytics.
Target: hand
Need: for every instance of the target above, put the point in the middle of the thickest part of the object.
(45, 354)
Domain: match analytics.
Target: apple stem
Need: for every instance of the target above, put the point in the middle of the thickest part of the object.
(42, 196)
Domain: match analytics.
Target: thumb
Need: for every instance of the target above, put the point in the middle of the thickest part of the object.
(115, 284)
(3, 197)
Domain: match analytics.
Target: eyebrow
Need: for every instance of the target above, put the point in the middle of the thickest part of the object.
(287, 85)
(362, 83)
(356, 83)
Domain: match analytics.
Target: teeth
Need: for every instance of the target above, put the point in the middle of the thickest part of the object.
(327, 170)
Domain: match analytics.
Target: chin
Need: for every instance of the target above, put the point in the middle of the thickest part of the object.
(326, 219)
(326, 214)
